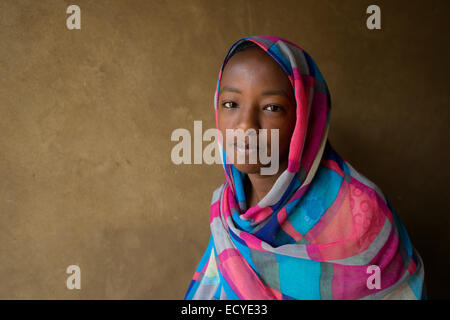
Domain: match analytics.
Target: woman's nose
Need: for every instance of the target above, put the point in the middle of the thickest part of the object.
(248, 118)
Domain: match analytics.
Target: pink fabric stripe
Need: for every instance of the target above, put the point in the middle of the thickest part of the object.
(215, 211)
(287, 226)
(299, 193)
(349, 226)
(291, 80)
(316, 130)
(329, 214)
(299, 134)
(196, 275)
(241, 278)
(274, 39)
(249, 214)
(373, 194)
(258, 214)
(308, 80)
(225, 203)
(263, 214)
(412, 267)
(313, 252)
(293, 166)
(262, 45)
(350, 282)
(332, 165)
(251, 241)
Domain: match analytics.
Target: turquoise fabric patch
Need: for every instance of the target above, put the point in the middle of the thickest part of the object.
(318, 198)
(299, 278)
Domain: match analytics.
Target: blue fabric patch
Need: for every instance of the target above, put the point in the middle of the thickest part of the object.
(299, 278)
(244, 225)
(194, 284)
(275, 52)
(293, 186)
(228, 291)
(243, 250)
(318, 198)
(403, 234)
(237, 177)
(268, 232)
(206, 255)
(313, 70)
(283, 238)
(192, 290)
(416, 285)
(217, 293)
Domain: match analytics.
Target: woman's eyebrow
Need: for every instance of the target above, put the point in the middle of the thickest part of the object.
(231, 89)
(264, 93)
(275, 92)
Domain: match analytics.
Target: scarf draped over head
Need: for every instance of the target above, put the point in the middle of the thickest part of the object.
(324, 231)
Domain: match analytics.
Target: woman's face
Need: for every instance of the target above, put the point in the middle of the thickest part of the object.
(255, 93)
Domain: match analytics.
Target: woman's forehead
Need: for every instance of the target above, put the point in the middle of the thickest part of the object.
(254, 65)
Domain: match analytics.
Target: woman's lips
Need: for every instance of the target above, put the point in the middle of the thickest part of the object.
(245, 149)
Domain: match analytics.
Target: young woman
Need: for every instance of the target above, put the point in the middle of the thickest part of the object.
(316, 228)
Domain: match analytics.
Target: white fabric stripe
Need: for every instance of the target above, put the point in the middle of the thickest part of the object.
(277, 190)
(292, 250)
(287, 51)
(217, 193)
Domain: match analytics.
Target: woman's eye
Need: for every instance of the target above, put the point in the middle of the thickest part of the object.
(229, 105)
(272, 107)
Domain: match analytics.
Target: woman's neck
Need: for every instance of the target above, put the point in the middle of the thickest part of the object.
(258, 186)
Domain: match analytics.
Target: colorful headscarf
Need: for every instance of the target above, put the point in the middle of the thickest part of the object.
(324, 231)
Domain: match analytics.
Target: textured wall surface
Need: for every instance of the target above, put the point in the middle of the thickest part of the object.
(86, 118)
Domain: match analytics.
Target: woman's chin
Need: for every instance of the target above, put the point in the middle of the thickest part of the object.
(249, 168)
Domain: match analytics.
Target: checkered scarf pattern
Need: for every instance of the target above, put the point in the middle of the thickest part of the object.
(320, 230)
